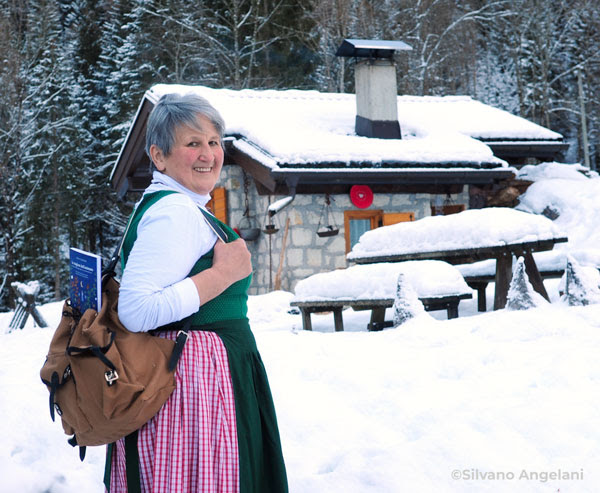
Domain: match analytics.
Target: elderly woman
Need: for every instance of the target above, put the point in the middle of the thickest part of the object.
(218, 431)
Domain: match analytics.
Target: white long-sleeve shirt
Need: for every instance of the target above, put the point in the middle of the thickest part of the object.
(171, 236)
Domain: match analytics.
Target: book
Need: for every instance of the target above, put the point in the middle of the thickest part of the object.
(85, 280)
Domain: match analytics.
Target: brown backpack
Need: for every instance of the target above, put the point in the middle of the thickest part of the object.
(105, 382)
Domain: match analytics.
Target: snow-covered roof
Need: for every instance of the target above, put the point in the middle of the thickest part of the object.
(293, 134)
(305, 128)
(474, 228)
(429, 279)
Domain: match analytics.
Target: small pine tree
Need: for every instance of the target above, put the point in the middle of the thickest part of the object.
(407, 304)
(521, 295)
(581, 288)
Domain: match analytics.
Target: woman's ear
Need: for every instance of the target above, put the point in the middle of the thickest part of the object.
(157, 157)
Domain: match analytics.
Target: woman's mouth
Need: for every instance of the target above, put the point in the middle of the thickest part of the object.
(203, 170)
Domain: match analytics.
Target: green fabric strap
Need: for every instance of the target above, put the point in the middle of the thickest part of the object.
(107, 466)
(132, 463)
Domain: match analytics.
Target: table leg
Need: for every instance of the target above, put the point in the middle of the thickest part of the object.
(338, 322)
(503, 277)
(452, 309)
(534, 275)
(306, 323)
(481, 300)
(377, 317)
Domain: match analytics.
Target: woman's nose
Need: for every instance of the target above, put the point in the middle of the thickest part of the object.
(205, 152)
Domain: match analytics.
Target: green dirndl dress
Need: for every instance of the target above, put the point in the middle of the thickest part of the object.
(261, 464)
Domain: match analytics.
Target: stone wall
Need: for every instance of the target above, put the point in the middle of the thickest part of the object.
(305, 253)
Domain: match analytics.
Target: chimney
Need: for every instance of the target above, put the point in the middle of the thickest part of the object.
(376, 87)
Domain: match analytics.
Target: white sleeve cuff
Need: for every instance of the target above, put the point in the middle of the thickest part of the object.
(188, 296)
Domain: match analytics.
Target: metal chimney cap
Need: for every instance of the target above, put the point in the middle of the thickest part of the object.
(370, 48)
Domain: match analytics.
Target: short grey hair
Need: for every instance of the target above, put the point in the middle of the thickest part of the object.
(173, 111)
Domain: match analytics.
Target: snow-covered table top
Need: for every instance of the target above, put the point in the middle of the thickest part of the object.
(469, 232)
(429, 278)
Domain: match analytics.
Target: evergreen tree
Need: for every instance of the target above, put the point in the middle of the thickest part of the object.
(47, 108)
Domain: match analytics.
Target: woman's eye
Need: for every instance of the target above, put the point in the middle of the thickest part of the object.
(214, 143)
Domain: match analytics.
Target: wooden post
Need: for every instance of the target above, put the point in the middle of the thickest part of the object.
(282, 255)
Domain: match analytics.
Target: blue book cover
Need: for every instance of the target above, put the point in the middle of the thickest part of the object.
(85, 286)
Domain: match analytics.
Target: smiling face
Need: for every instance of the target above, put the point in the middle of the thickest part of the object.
(196, 158)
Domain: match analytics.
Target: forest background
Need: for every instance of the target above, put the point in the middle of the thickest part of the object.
(72, 74)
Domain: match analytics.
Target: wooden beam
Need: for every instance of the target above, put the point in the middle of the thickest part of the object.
(259, 172)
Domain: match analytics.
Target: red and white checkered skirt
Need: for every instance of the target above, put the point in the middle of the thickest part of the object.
(191, 444)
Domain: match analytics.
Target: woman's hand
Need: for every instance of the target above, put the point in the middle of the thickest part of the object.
(231, 263)
(232, 260)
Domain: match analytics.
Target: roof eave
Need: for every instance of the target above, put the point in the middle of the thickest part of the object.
(519, 149)
(412, 176)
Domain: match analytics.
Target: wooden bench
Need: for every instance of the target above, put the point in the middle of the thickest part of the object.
(479, 284)
(377, 307)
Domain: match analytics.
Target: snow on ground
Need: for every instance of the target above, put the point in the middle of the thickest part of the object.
(392, 411)
(504, 401)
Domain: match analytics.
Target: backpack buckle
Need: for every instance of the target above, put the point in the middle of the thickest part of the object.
(111, 377)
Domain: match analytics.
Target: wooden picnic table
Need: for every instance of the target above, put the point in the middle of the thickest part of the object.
(502, 253)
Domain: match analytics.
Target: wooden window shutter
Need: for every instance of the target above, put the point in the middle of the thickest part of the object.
(218, 204)
(397, 217)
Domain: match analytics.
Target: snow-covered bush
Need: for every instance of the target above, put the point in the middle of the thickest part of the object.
(407, 304)
(580, 284)
(521, 295)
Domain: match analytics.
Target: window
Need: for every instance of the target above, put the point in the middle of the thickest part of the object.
(358, 222)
